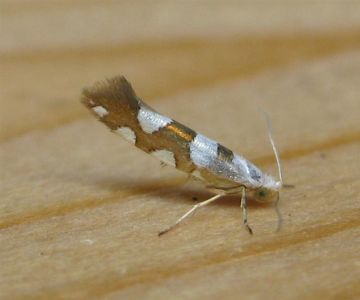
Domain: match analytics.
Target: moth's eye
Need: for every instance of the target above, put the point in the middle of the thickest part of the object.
(262, 194)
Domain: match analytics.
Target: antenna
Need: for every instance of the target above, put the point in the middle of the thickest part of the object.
(268, 123)
(276, 203)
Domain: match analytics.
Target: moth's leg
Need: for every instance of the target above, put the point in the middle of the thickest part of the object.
(278, 213)
(190, 212)
(243, 205)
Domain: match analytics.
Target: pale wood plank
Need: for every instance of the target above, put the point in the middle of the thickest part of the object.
(80, 209)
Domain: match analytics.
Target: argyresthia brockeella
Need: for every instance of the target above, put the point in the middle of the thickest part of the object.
(115, 103)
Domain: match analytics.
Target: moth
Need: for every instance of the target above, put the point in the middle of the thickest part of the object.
(115, 103)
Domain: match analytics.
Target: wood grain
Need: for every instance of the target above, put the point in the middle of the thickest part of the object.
(80, 209)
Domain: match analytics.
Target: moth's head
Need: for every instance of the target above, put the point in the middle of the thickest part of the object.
(268, 192)
(265, 195)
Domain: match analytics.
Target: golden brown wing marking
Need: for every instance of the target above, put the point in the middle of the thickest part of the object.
(224, 153)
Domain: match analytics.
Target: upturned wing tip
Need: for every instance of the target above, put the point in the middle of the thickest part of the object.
(114, 88)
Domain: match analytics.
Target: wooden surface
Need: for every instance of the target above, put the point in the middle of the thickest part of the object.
(80, 209)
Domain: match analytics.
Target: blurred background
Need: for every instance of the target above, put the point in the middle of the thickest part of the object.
(162, 46)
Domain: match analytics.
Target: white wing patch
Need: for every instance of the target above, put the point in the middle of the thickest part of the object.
(203, 151)
(151, 121)
(165, 156)
(127, 134)
(100, 111)
(241, 165)
(247, 173)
